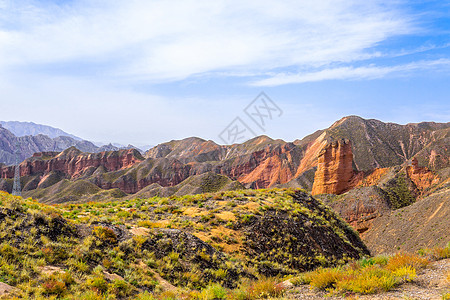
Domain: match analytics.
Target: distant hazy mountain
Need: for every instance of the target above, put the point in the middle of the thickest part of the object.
(117, 146)
(38, 141)
(31, 144)
(30, 128)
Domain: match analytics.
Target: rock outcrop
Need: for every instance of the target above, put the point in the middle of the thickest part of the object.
(271, 165)
(422, 177)
(72, 163)
(334, 169)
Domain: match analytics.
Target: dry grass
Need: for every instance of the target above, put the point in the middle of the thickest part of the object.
(251, 206)
(153, 224)
(193, 211)
(264, 288)
(367, 276)
(369, 280)
(403, 259)
(325, 278)
(441, 253)
(226, 216)
(229, 240)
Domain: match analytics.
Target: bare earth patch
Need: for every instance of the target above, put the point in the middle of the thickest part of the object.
(49, 270)
(5, 290)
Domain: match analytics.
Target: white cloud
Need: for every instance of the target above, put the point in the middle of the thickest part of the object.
(171, 40)
(366, 72)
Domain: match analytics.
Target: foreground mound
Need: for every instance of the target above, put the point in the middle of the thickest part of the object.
(147, 245)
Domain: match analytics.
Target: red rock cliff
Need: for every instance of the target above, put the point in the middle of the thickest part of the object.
(273, 167)
(422, 177)
(264, 168)
(334, 169)
(73, 163)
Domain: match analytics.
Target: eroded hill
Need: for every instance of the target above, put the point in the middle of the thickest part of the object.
(133, 246)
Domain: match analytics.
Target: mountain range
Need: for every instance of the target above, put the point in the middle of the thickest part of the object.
(350, 153)
(31, 138)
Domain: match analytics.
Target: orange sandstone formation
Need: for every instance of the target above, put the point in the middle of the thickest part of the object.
(422, 177)
(334, 169)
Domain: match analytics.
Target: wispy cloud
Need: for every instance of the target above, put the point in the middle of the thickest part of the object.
(172, 40)
(351, 73)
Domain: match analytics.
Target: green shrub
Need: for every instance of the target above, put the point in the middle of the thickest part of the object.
(54, 287)
(105, 234)
(213, 292)
(399, 193)
(119, 288)
(97, 283)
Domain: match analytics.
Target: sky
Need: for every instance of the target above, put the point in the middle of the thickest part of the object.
(145, 72)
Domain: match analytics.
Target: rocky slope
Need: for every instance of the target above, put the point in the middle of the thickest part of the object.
(423, 224)
(73, 175)
(382, 191)
(377, 145)
(404, 209)
(360, 206)
(424, 150)
(257, 163)
(72, 163)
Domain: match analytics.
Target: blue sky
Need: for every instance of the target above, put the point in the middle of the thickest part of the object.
(145, 72)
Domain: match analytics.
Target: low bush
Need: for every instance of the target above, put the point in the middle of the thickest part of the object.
(213, 292)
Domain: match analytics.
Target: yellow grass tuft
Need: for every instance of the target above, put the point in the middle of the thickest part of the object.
(325, 278)
(400, 260)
